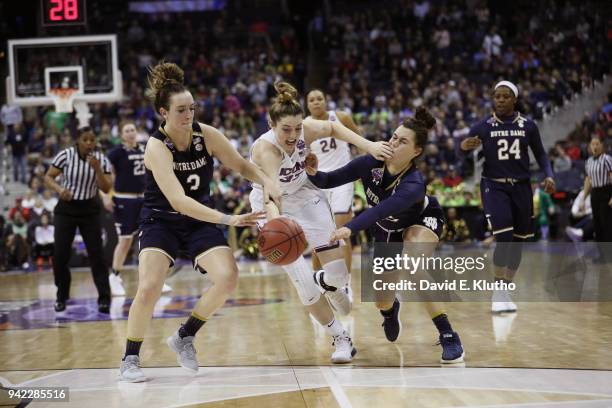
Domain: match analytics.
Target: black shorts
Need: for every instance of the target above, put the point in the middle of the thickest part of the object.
(191, 237)
(508, 207)
(126, 214)
(432, 218)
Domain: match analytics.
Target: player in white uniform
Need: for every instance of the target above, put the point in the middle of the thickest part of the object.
(333, 154)
(280, 153)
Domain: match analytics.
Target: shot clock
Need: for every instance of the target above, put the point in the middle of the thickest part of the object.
(63, 12)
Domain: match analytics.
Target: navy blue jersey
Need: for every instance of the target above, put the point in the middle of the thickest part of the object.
(395, 199)
(505, 145)
(129, 169)
(193, 169)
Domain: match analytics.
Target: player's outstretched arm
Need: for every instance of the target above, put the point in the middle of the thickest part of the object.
(158, 159)
(315, 129)
(343, 175)
(267, 157)
(272, 210)
(347, 120)
(406, 195)
(221, 148)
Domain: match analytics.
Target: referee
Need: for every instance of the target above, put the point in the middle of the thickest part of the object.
(84, 171)
(598, 182)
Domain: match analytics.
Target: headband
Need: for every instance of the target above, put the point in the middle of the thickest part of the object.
(510, 85)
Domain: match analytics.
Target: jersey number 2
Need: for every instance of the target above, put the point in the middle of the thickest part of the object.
(195, 180)
(503, 153)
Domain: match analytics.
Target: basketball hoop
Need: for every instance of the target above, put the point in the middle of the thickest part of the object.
(63, 98)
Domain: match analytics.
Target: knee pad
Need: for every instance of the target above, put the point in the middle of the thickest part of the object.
(336, 273)
(302, 277)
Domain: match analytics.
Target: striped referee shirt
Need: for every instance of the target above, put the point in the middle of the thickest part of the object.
(598, 169)
(78, 176)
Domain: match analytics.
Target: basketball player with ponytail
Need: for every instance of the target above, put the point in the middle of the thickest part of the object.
(280, 153)
(177, 214)
(400, 211)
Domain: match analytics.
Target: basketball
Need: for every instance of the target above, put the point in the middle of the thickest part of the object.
(282, 241)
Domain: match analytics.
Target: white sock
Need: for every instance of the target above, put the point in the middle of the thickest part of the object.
(334, 328)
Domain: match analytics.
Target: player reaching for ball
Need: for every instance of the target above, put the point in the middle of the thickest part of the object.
(400, 212)
(177, 215)
(280, 153)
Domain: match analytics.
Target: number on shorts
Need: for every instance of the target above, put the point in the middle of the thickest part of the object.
(431, 222)
(139, 167)
(195, 179)
(503, 153)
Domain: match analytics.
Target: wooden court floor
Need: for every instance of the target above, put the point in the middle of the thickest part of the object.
(262, 349)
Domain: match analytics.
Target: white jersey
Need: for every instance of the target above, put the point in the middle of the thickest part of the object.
(332, 153)
(291, 174)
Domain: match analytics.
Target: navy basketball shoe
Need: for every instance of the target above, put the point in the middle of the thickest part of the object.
(452, 350)
(392, 324)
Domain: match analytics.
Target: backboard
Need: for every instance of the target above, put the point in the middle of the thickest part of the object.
(86, 63)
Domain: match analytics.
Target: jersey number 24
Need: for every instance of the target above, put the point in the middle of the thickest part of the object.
(332, 145)
(504, 153)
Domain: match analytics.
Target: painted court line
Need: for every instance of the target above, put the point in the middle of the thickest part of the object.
(336, 388)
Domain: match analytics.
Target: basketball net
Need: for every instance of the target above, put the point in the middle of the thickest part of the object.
(63, 98)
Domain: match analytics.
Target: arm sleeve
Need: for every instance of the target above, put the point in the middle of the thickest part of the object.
(535, 142)
(346, 174)
(406, 195)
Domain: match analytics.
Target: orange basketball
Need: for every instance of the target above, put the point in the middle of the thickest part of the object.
(282, 241)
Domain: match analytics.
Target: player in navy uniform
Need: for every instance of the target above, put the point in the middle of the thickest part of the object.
(129, 180)
(506, 137)
(177, 214)
(400, 212)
